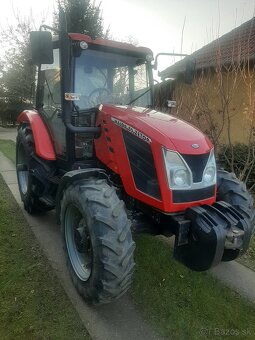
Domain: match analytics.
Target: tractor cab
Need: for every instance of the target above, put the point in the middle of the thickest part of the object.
(112, 76)
(76, 75)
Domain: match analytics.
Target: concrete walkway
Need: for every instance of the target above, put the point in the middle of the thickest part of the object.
(118, 320)
(238, 277)
(8, 133)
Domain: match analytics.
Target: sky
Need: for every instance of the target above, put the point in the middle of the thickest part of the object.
(159, 25)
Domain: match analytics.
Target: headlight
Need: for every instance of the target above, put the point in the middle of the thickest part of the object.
(209, 175)
(178, 174)
(180, 177)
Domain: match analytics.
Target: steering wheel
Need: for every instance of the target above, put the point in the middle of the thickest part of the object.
(97, 94)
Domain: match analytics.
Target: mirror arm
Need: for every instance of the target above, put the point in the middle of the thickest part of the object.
(155, 66)
(49, 28)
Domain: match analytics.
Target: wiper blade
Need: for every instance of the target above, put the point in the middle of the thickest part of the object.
(133, 100)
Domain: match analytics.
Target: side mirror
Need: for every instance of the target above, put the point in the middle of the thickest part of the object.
(41, 47)
(190, 71)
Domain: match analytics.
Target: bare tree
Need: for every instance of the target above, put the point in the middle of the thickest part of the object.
(17, 75)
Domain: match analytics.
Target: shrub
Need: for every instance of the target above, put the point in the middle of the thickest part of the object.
(240, 159)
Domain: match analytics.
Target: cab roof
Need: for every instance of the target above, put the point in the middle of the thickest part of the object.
(109, 43)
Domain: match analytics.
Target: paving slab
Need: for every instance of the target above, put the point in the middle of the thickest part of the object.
(236, 276)
(9, 176)
(119, 320)
(6, 164)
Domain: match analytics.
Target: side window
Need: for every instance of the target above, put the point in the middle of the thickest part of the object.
(141, 84)
(51, 94)
(52, 103)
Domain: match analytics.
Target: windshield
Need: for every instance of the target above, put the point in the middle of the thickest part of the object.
(102, 77)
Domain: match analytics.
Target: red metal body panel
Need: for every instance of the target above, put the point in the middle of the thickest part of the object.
(162, 130)
(43, 145)
(110, 43)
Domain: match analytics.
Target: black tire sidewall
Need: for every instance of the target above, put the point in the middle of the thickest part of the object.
(27, 198)
(233, 191)
(93, 280)
(103, 285)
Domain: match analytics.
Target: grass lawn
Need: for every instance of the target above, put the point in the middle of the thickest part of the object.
(183, 304)
(7, 147)
(33, 304)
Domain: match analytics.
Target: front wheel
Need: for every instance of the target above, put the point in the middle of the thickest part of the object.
(97, 240)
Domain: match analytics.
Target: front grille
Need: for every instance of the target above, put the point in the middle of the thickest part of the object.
(183, 196)
(142, 165)
(197, 165)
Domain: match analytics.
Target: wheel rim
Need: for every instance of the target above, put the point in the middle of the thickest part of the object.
(78, 242)
(22, 174)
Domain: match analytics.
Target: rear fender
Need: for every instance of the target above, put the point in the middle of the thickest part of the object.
(73, 176)
(43, 144)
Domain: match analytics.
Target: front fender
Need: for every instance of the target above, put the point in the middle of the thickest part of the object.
(43, 144)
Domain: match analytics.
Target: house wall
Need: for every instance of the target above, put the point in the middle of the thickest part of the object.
(221, 104)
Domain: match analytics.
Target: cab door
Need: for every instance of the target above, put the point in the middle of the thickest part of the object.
(48, 102)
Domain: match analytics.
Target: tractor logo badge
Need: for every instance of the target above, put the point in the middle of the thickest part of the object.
(195, 146)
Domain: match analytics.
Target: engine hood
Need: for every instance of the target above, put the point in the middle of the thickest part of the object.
(169, 131)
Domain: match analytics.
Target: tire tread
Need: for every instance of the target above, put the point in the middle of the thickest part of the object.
(114, 247)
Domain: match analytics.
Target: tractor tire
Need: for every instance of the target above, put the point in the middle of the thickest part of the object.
(231, 190)
(97, 240)
(25, 166)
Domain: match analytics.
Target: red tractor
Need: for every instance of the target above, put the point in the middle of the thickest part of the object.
(96, 150)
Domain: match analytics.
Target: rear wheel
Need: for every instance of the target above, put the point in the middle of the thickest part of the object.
(30, 188)
(97, 240)
(233, 191)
